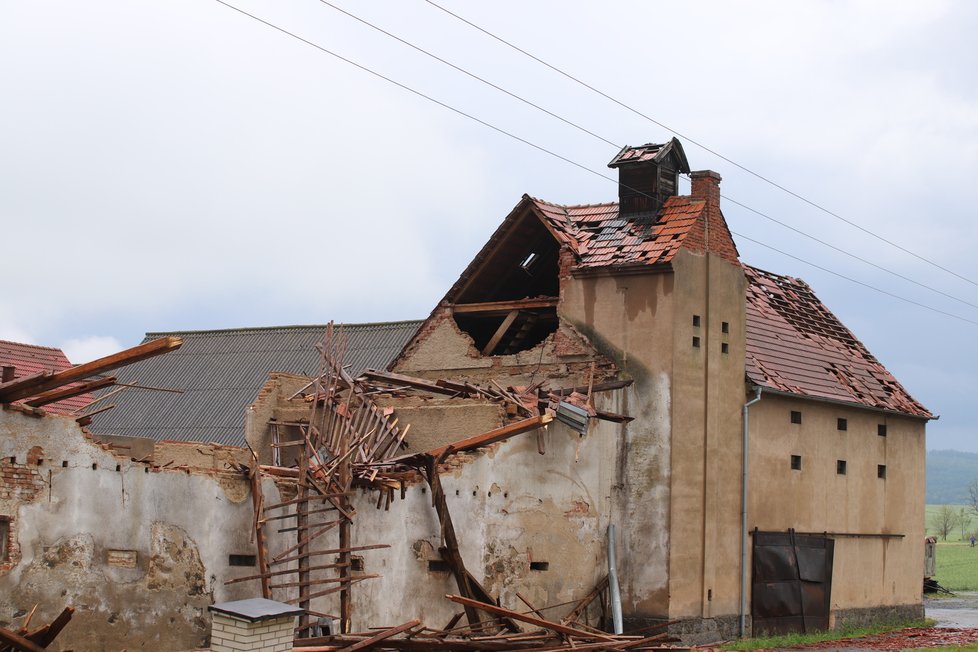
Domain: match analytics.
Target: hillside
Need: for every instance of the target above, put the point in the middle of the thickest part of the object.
(949, 473)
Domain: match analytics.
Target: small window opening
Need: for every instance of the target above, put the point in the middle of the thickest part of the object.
(40, 462)
(842, 424)
(696, 342)
(146, 469)
(724, 327)
(4, 538)
(796, 462)
(64, 464)
(881, 471)
(118, 468)
(881, 430)
(13, 460)
(696, 321)
(539, 565)
(529, 260)
(437, 566)
(356, 563)
(241, 560)
(840, 467)
(795, 416)
(94, 466)
(724, 348)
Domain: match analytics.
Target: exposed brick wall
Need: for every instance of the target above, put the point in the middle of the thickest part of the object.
(19, 483)
(716, 239)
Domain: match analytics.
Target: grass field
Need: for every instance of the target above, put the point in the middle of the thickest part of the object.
(957, 561)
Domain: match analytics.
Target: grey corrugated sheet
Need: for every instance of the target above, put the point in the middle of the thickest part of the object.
(221, 372)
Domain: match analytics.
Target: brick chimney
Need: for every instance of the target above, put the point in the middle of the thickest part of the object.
(647, 176)
(715, 233)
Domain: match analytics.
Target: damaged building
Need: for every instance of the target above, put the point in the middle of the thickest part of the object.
(599, 373)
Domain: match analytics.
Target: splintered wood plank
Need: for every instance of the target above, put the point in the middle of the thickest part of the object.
(18, 642)
(500, 332)
(25, 387)
(503, 307)
(69, 392)
(531, 620)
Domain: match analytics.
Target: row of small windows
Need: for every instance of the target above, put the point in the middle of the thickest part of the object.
(841, 424)
(724, 328)
(840, 467)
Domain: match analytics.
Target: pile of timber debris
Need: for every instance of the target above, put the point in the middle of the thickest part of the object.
(349, 442)
(23, 640)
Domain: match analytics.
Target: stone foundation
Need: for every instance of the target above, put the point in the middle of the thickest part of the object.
(694, 631)
(901, 613)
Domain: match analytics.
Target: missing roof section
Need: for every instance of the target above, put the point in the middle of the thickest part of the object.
(509, 304)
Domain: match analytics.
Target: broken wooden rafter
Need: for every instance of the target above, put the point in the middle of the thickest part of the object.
(596, 387)
(16, 390)
(493, 436)
(498, 308)
(69, 392)
(497, 337)
(530, 620)
(86, 419)
(407, 381)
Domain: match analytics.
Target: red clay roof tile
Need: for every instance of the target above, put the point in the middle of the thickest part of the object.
(30, 359)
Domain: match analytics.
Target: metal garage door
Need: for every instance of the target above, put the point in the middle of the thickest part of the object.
(792, 582)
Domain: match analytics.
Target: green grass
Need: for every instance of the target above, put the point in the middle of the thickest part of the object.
(972, 526)
(957, 566)
(789, 640)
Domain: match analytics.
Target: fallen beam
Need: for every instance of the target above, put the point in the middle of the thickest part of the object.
(530, 620)
(16, 390)
(503, 307)
(69, 392)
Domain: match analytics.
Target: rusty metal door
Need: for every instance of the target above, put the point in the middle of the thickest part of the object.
(792, 582)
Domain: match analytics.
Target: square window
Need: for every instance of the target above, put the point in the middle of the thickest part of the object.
(795, 416)
(840, 467)
(842, 424)
(724, 327)
(696, 342)
(539, 565)
(881, 471)
(881, 430)
(696, 321)
(796, 462)
(724, 347)
(242, 560)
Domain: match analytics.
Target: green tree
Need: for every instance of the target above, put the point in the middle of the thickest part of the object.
(944, 521)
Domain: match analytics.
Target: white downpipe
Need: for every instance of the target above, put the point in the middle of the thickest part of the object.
(613, 582)
(743, 515)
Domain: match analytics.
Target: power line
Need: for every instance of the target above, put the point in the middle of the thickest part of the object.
(852, 280)
(549, 152)
(702, 146)
(617, 146)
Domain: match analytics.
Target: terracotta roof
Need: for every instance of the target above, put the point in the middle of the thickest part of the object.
(601, 239)
(30, 359)
(656, 152)
(796, 345)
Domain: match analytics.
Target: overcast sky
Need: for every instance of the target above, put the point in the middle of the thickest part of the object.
(175, 165)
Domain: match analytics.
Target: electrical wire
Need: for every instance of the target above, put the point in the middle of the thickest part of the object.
(554, 154)
(704, 147)
(619, 147)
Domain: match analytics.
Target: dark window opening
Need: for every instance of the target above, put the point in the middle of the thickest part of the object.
(696, 320)
(796, 462)
(842, 424)
(4, 538)
(13, 460)
(724, 348)
(118, 468)
(242, 560)
(539, 565)
(356, 563)
(94, 466)
(724, 327)
(64, 464)
(881, 471)
(437, 566)
(840, 467)
(696, 342)
(795, 416)
(510, 332)
(881, 430)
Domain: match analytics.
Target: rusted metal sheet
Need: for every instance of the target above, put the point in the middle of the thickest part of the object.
(792, 582)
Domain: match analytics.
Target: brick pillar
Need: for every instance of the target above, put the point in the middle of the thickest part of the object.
(256, 625)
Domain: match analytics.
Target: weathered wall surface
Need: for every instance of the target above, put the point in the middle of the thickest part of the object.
(138, 551)
(868, 572)
(631, 319)
(707, 395)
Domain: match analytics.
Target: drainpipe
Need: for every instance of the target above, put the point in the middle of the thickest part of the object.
(613, 582)
(743, 515)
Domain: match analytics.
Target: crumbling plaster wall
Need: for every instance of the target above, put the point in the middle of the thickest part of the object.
(867, 572)
(510, 506)
(138, 551)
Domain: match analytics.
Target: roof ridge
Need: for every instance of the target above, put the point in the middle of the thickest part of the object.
(33, 346)
(243, 329)
(566, 206)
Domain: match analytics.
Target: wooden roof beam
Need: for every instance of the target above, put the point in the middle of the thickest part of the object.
(503, 307)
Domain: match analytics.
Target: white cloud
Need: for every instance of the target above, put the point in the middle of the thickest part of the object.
(85, 349)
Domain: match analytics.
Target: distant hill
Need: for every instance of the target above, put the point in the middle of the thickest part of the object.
(948, 475)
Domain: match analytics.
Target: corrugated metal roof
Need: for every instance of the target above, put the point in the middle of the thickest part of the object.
(29, 359)
(795, 344)
(221, 373)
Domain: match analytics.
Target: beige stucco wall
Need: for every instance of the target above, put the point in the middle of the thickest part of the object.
(867, 572)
